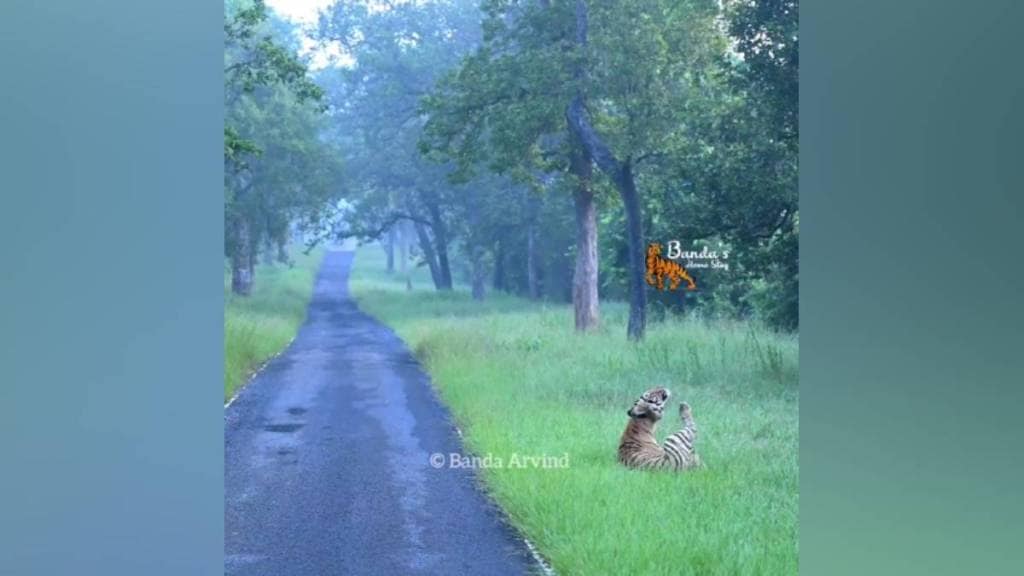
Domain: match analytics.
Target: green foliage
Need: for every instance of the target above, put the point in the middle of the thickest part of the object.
(503, 107)
(237, 148)
(649, 63)
(281, 174)
(767, 34)
(261, 325)
(519, 382)
(255, 58)
(295, 177)
(397, 55)
(453, 115)
(710, 131)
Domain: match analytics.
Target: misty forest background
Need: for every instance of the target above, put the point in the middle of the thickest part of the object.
(532, 148)
(505, 165)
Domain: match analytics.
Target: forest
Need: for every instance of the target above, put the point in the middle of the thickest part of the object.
(533, 148)
(553, 206)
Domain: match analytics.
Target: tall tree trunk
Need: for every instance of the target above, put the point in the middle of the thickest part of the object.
(476, 248)
(403, 246)
(584, 280)
(444, 267)
(532, 261)
(282, 253)
(440, 246)
(621, 173)
(253, 257)
(268, 252)
(479, 273)
(635, 235)
(389, 247)
(428, 254)
(241, 259)
(499, 266)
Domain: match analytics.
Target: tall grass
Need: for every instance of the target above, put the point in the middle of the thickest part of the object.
(261, 325)
(520, 382)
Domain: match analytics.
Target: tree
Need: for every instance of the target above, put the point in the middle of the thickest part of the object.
(732, 180)
(398, 54)
(502, 111)
(480, 134)
(279, 171)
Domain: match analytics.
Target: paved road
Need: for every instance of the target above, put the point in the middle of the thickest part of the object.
(326, 460)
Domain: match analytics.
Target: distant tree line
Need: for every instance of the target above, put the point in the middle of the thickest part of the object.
(536, 147)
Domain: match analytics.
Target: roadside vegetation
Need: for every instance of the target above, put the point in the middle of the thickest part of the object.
(258, 326)
(520, 382)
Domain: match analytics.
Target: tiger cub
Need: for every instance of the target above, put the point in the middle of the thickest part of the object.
(639, 448)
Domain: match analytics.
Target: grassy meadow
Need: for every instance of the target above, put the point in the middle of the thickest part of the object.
(520, 382)
(262, 324)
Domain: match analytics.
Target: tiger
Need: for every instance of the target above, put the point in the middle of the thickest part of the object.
(639, 448)
(660, 269)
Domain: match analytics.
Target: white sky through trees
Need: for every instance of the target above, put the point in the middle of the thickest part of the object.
(304, 14)
(299, 11)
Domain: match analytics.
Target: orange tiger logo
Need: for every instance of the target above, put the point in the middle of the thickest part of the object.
(661, 269)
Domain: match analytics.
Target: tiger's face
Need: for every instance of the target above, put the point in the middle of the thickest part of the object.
(651, 404)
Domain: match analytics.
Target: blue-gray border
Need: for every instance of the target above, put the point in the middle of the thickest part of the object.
(111, 408)
(911, 346)
(110, 365)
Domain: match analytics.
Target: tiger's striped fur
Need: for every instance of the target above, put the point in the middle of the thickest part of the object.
(639, 447)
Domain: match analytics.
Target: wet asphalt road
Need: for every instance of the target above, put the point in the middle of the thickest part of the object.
(326, 460)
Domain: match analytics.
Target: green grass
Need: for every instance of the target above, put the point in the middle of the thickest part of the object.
(261, 325)
(519, 381)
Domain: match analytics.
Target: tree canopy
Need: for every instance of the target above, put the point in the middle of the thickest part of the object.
(534, 147)
(279, 170)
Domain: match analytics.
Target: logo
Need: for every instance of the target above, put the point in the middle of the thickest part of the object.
(670, 268)
(661, 270)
